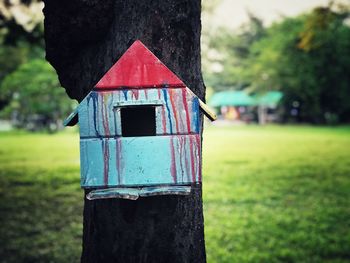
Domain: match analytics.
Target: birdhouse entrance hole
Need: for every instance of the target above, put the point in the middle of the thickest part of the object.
(138, 121)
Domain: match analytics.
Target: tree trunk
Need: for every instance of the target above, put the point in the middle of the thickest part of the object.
(84, 38)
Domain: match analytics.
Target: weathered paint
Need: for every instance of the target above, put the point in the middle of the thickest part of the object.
(140, 166)
(138, 67)
(165, 94)
(125, 193)
(177, 111)
(152, 160)
(135, 193)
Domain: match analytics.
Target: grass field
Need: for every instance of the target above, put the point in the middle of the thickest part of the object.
(271, 194)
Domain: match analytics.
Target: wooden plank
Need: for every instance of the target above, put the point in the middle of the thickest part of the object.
(135, 193)
(204, 107)
(69, 121)
(177, 114)
(165, 190)
(139, 103)
(207, 111)
(140, 161)
(123, 193)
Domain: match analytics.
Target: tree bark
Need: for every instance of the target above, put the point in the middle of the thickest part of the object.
(84, 38)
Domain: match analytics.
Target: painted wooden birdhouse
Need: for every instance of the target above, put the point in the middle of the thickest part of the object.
(139, 130)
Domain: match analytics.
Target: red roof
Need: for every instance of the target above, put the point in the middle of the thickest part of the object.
(138, 67)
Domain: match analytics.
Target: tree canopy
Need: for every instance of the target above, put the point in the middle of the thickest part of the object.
(30, 92)
(35, 97)
(306, 57)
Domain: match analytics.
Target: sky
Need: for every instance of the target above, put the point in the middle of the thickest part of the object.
(232, 13)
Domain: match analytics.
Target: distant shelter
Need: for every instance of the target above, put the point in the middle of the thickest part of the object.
(235, 105)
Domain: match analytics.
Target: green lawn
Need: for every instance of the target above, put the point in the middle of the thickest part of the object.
(271, 194)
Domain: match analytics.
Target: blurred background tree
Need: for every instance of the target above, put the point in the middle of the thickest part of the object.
(306, 57)
(29, 93)
(35, 100)
(228, 53)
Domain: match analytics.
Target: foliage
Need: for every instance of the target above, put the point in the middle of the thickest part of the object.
(35, 95)
(307, 57)
(228, 52)
(21, 39)
(21, 21)
(208, 6)
(21, 34)
(259, 205)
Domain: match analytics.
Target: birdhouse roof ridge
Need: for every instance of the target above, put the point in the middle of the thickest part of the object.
(138, 67)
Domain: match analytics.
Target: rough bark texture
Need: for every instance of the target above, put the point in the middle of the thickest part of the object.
(84, 38)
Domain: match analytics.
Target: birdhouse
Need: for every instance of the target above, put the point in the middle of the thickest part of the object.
(139, 130)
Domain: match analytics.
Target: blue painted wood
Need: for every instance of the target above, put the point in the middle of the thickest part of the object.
(140, 161)
(177, 111)
(170, 158)
(68, 120)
